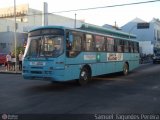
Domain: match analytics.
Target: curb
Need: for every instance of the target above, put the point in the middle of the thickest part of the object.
(10, 72)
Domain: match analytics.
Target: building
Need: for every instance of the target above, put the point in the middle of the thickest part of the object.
(26, 19)
(7, 41)
(148, 34)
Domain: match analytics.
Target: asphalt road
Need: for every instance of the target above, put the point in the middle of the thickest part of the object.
(139, 92)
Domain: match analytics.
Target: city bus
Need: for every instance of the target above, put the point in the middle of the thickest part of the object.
(58, 53)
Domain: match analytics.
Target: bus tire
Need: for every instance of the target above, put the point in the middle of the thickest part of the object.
(125, 69)
(84, 77)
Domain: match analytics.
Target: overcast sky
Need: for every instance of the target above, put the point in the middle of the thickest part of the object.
(121, 15)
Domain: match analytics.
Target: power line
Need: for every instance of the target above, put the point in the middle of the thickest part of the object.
(119, 5)
(102, 7)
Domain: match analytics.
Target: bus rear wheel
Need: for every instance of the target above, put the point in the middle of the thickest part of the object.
(125, 69)
(84, 76)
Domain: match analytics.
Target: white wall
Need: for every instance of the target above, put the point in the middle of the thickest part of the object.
(26, 23)
(146, 37)
(146, 47)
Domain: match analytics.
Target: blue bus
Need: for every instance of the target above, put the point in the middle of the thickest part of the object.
(58, 53)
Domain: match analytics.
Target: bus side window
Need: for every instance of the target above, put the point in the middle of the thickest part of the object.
(73, 44)
(122, 45)
(119, 45)
(136, 47)
(126, 46)
(110, 44)
(88, 43)
(99, 43)
(131, 47)
(68, 45)
(105, 44)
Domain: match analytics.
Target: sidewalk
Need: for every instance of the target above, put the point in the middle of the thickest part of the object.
(3, 70)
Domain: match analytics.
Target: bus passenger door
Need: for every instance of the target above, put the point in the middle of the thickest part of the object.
(73, 50)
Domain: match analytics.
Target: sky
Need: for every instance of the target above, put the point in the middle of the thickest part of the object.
(120, 15)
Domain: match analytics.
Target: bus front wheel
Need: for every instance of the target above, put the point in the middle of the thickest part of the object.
(84, 76)
(125, 69)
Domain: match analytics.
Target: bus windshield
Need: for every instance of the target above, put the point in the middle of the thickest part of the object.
(44, 46)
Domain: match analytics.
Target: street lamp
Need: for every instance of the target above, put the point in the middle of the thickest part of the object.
(15, 37)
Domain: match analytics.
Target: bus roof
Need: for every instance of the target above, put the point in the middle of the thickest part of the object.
(99, 29)
(49, 27)
(93, 30)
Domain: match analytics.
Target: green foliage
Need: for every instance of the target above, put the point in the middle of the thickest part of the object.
(18, 49)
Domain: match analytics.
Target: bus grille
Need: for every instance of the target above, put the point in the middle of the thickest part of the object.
(36, 72)
(37, 67)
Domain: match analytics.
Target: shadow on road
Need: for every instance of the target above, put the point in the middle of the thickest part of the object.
(70, 85)
(56, 86)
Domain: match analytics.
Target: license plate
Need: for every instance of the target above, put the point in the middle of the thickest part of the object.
(38, 63)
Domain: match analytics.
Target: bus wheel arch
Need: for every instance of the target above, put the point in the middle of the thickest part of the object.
(85, 75)
(125, 68)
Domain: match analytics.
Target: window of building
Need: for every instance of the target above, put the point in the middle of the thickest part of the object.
(143, 25)
(158, 35)
(3, 45)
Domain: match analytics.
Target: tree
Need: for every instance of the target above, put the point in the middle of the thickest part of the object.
(18, 49)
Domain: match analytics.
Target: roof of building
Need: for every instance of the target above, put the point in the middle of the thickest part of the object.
(137, 20)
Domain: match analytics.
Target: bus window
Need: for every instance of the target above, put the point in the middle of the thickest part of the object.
(131, 47)
(136, 47)
(126, 46)
(122, 45)
(53, 45)
(73, 45)
(88, 43)
(110, 44)
(119, 45)
(76, 45)
(100, 43)
(46, 46)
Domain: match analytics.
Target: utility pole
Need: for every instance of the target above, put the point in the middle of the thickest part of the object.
(75, 21)
(15, 36)
(45, 14)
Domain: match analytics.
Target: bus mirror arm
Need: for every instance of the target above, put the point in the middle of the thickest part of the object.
(70, 37)
(27, 57)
